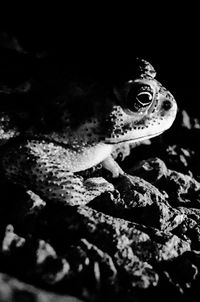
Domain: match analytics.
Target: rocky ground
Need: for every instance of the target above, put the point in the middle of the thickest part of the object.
(138, 240)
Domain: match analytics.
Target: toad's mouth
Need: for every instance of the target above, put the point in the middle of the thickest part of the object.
(134, 140)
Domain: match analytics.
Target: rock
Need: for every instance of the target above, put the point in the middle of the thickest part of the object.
(181, 159)
(181, 273)
(121, 243)
(186, 120)
(192, 213)
(23, 213)
(136, 192)
(6, 130)
(96, 186)
(109, 203)
(181, 188)
(113, 249)
(50, 269)
(33, 260)
(189, 122)
(159, 215)
(189, 230)
(134, 273)
(139, 201)
(11, 240)
(93, 272)
(152, 170)
(111, 234)
(13, 290)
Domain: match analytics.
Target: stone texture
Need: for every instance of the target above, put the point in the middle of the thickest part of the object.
(13, 290)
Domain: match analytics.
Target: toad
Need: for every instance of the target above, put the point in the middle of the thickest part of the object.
(82, 128)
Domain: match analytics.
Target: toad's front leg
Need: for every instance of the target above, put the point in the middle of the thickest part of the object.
(111, 165)
(41, 167)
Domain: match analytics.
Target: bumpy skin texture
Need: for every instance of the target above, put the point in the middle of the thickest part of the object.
(82, 128)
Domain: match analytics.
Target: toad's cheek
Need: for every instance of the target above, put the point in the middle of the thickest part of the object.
(155, 123)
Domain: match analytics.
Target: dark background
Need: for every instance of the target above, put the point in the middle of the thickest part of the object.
(171, 45)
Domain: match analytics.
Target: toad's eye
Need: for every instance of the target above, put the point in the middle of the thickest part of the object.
(139, 97)
(144, 98)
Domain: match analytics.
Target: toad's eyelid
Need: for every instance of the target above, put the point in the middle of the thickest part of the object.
(142, 84)
(145, 92)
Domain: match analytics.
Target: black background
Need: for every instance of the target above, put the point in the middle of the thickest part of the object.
(167, 38)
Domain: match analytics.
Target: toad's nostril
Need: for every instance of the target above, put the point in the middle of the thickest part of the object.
(167, 105)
